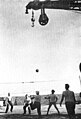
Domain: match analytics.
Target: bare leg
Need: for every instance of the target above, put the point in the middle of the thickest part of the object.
(49, 108)
(56, 108)
(29, 110)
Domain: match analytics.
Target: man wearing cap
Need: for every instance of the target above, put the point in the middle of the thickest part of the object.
(69, 101)
(52, 101)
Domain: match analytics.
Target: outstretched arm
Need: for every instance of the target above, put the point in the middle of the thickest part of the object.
(32, 97)
(47, 97)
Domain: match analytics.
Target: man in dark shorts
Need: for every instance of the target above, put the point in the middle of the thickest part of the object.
(52, 101)
(9, 102)
(69, 101)
(37, 103)
(27, 102)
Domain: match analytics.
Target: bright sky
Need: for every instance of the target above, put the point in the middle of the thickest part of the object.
(54, 49)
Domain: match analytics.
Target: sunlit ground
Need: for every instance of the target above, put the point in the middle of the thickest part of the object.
(18, 113)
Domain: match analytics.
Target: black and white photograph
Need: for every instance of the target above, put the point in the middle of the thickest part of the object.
(40, 59)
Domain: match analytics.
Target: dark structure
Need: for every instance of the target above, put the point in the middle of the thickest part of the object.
(80, 67)
(48, 4)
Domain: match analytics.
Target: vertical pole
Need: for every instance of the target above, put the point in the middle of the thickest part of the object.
(80, 73)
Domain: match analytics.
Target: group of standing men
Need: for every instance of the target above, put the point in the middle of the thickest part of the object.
(67, 94)
(70, 102)
(28, 102)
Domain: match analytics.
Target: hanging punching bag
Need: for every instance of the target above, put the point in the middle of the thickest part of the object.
(43, 19)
